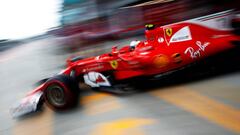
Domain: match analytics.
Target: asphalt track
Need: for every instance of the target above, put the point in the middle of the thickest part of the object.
(203, 107)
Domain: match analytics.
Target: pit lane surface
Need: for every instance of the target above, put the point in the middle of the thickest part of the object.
(208, 106)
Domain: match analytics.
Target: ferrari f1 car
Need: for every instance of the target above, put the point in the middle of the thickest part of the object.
(166, 49)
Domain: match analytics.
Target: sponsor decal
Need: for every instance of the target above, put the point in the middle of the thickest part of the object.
(133, 62)
(177, 58)
(147, 48)
(99, 79)
(169, 31)
(160, 61)
(160, 40)
(195, 53)
(183, 34)
(114, 64)
(96, 79)
(94, 68)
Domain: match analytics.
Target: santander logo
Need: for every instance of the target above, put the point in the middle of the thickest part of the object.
(196, 53)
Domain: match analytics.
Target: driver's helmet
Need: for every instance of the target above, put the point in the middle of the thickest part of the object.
(133, 44)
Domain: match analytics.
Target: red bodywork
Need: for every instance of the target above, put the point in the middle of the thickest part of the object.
(166, 48)
(152, 57)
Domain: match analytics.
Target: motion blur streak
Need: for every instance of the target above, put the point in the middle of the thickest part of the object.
(95, 103)
(40, 125)
(130, 126)
(94, 97)
(14, 53)
(202, 106)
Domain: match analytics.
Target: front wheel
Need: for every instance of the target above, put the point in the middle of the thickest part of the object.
(61, 92)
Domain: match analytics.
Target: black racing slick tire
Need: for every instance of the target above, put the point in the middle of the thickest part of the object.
(61, 93)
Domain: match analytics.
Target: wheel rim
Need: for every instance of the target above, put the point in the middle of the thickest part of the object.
(55, 95)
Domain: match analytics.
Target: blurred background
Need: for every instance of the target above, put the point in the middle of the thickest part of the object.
(81, 23)
(36, 37)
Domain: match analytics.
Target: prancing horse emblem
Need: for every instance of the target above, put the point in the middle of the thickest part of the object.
(114, 64)
(169, 31)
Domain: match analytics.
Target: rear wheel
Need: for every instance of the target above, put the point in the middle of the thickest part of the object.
(61, 92)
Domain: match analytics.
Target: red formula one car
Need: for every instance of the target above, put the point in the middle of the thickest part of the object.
(166, 49)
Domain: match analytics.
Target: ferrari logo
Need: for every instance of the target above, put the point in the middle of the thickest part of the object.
(114, 64)
(169, 31)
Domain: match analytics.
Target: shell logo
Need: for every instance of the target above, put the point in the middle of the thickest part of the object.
(160, 61)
